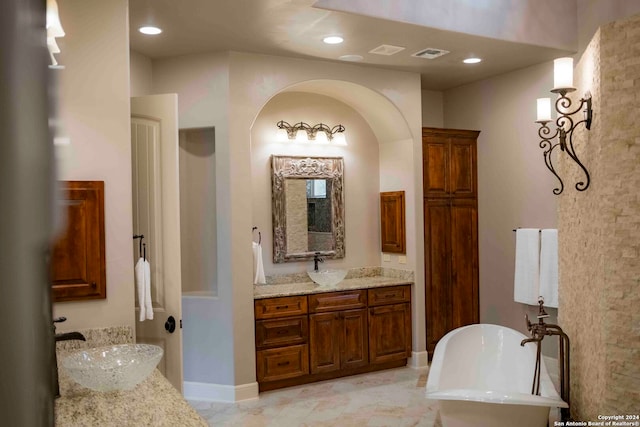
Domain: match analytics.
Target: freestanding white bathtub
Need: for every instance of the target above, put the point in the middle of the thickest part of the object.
(482, 377)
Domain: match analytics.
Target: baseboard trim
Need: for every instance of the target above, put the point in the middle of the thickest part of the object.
(418, 359)
(219, 392)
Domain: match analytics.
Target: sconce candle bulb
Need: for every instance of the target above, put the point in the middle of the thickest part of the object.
(563, 75)
(565, 125)
(544, 110)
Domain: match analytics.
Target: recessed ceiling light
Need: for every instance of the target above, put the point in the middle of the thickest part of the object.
(333, 40)
(472, 60)
(152, 31)
(351, 58)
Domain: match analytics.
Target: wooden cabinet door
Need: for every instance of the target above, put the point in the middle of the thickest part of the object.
(392, 225)
(464, 263)
(354, 345)
(462, 167)
(324, 339)
(435, 166)
(78, 268)
(438, 269)
(389, 333)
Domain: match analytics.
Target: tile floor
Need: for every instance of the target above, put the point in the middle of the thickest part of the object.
(393, 398)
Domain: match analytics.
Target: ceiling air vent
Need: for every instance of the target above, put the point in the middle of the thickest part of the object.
(386, 49)
(430, 53)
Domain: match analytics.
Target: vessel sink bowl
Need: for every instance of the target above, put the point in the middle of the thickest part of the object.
(118, 367)
(327, 277)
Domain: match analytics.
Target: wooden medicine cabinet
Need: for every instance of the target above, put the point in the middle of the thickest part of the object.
(78, 253)
(392, 233)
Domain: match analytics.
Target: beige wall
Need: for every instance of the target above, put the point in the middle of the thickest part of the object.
(432, 108)
(140, 74)
(514, 186)
(360, 165)
(94, 109)
(198, 210)
(600, 230)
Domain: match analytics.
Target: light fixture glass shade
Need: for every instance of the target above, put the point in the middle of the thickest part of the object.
(321, 137)
(339, 139)
(54, 27)
(301, 136)
(544, 110)
(282, 135)
(52, 45)
(563, 73)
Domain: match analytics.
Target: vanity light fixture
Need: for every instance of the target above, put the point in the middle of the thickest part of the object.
(54, 30)
(563, 84)
(320, 133)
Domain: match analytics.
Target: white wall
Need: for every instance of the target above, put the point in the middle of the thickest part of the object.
(94, 108)
(514, 185)
(361, 192)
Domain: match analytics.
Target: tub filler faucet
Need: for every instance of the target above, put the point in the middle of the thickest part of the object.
(67, 336)
(316, 260)
(538, 332)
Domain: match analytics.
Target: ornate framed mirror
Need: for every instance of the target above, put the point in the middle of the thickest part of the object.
(307, 207)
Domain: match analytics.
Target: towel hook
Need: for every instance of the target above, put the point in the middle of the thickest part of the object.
(259, 234)
(140, 244)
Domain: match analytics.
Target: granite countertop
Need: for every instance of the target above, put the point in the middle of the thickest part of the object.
(300, 284)
(153, 402)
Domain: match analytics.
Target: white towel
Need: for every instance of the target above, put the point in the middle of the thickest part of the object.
(549, 267)
(526, 282)
(143, 284)
(258, 267)
(148, 307)
(140, 285)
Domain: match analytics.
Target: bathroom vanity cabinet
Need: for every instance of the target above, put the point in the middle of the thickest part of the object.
(306, 338)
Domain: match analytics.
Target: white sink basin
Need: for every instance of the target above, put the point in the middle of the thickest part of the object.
(327, 277)
(118, 367)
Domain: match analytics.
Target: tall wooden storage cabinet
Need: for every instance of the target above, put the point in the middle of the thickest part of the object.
(450, 230)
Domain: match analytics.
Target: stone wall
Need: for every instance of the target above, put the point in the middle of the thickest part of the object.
(599, 229)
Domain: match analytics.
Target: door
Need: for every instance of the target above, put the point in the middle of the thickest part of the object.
(464, 264)
(437, 230)
(324, 336)
(389, 333)
(354, 348)
(156, 215)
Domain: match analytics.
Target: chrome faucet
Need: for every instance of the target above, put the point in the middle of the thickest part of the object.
(67, 336)
(316, 260)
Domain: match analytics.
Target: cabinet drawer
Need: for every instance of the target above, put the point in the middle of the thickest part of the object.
(282, 363)
(282, 332)
(389, 295)
(280, 307)
(331, 301)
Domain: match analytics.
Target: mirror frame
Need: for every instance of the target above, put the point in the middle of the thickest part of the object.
(283, 167)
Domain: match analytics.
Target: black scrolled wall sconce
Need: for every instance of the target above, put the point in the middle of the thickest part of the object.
(327, 134)
(563, 84)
